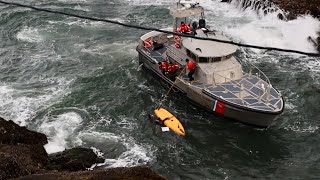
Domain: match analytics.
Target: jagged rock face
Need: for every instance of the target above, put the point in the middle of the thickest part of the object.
(297, 7)
(22, 154)
(22, 159)
(74, 159)
(21, 150)
(286, 9)
(11, 133)
(9, 168)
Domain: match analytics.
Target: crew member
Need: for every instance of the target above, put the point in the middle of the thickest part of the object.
(192, 69)
(163, 66)
(184, 28)
(172, 69)
(187, 28)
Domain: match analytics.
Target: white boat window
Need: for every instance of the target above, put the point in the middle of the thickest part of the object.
(216, 59)
(203, 59)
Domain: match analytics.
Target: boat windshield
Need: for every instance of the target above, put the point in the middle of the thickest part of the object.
(181, 12)
(203, 59)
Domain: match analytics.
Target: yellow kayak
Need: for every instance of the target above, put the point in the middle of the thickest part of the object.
(170, 121)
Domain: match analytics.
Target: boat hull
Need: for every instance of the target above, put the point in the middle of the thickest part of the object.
(213, 104)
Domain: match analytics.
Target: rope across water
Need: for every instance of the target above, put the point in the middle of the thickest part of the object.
(159, 30)
(166, 95)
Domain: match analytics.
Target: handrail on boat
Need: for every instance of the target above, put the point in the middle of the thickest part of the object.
(259, 71)
(265, 91)
(263, 77)
(242, 87)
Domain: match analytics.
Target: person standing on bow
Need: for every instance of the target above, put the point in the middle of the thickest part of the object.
(192, 69)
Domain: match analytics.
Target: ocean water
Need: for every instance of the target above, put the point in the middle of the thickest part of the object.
(79, 82)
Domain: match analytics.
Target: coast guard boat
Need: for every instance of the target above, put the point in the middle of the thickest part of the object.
(221, 84)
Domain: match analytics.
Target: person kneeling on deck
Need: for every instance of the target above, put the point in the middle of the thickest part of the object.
(163, 66)
(192, 69)
(172, 69)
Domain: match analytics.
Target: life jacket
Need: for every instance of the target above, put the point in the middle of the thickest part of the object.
(177, 41)
(191, 65)
(173, 68)
(181, 28)
(147, 43)
(184, 28)
(164, 66)
(187, 27)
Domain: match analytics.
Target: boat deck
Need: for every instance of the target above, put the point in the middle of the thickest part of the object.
(157, 53)
(250, 91)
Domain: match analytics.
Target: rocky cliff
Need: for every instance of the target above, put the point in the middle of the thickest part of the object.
(23, 156)
(291, 8)
(298, 7)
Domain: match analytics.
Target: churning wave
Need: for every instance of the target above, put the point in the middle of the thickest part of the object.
(67, 129)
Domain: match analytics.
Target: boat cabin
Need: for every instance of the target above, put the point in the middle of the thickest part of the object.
(215, 61)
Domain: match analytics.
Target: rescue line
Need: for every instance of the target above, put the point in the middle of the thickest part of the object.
(163, 117)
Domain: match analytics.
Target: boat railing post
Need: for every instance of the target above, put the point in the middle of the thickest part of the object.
(268, 92)
(260, 96)
(250, 71)
(241, 89)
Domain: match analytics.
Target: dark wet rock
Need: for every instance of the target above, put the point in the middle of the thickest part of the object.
(22, 155)
(24, 159)
(21, 150)
(292, 8)
(315, 42)
(280, 16)
(9, 168)
(299, 7)
(133, 173)
(74, 159)
(11, 133)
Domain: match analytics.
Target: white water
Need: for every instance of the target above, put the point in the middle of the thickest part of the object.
(61, 130)
(248, 27)
(29, 34)
(20, 106)
(241, 26)
(135, 154)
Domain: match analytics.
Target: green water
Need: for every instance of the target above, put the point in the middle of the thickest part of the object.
(79, 83)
